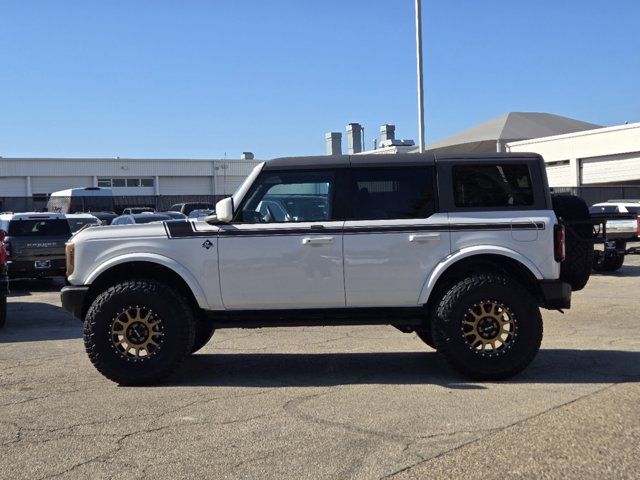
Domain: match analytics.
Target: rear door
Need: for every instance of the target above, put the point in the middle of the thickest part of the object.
(284, 250)
(500, 202)
(394, 236)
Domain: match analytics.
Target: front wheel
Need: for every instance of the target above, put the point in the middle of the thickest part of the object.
(487, 327)
(138, 332)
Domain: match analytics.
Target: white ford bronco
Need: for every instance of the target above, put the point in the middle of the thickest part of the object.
(461, 249)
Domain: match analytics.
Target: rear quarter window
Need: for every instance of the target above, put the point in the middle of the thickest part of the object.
(492, 186)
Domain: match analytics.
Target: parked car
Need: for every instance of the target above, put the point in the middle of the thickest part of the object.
(461, 249)
(187, 208)
(199, 213)
(79, 220)
(4, 281)
(622, 226)
(105, 217)
(35, 243)
(78, 200)
(139, 218)
(133, 210)
(174, 215)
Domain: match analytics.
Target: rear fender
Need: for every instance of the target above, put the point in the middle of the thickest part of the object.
(455, 257)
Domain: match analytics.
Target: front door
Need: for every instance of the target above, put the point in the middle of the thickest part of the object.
(284, 250)
(393, 239)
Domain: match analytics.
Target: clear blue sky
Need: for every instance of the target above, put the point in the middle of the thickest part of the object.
(194, 78)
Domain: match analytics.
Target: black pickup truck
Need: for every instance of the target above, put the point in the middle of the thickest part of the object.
(34, 244)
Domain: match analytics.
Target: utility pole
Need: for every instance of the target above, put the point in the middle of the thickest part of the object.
(419, 71)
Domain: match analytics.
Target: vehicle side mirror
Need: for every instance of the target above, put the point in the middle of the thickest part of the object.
(224, 212)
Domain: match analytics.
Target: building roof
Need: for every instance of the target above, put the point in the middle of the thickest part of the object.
(509, 127)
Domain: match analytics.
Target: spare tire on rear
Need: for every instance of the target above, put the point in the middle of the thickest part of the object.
(576, 267)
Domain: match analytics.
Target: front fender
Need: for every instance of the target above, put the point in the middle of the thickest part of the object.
(189, 279)
(455, 257)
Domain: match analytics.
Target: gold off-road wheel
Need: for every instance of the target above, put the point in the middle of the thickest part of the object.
(138, 332)
(487, 326)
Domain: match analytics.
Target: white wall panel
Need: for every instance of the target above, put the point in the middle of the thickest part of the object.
(186, 186)
(53, 184)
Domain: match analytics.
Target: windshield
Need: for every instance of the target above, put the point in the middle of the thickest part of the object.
(152, 218)
(604, 209)
(39, 228)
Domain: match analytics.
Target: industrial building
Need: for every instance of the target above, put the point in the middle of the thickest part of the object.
(577, 153)
(39, 177)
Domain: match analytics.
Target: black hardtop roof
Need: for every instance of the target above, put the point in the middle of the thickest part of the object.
(343, 161)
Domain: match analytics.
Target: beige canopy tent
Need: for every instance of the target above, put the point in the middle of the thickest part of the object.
(491, 136)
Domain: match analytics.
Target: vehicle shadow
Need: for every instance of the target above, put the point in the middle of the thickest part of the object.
(300, 369)
(626, 271)
(24, 287)
(37, 321)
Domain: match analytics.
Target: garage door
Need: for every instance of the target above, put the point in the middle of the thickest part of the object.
(612, 169)
(560, 174)
(53, 184)
(185, 186)
(13, 186)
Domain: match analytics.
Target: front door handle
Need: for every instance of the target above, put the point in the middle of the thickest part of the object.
(424, 237)
(317, 240)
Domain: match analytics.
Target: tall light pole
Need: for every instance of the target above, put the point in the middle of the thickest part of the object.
(419, 68)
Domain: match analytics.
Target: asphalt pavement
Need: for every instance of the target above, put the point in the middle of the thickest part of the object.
(326, 402)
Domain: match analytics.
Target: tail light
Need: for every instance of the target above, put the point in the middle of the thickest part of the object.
(559, 243)
(5, 243)
(70, 250)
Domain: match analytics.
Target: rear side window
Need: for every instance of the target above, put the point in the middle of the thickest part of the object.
(635, 210)
(39, 228)
(492, 186)
(392, 193)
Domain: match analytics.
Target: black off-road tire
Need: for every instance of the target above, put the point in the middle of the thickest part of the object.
(607, 263)
(426, 336)
(3, 309)
(447, 324)
(204, 332)
(576, 267)
(178, 328)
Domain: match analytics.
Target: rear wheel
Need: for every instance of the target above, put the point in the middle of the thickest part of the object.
(487, 327)
(607, 263)
(138, 332)
(203, 334)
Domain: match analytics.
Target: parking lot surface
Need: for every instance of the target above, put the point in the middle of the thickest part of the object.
(340, 402)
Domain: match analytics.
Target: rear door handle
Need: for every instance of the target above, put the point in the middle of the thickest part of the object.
(317, 240)
(424, 237)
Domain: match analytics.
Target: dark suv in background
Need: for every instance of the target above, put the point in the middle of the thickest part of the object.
(34, 243)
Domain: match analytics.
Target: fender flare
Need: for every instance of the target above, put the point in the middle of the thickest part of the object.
(185, 274)
(463, 253)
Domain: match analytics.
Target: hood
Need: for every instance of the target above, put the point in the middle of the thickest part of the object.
(121, 231)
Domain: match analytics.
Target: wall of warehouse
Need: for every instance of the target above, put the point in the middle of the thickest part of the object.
(603, 156)
(24, 177)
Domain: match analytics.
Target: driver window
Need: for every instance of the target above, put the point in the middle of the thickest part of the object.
(289, 197)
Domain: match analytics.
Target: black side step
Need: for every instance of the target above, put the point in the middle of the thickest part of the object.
(316, 317)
